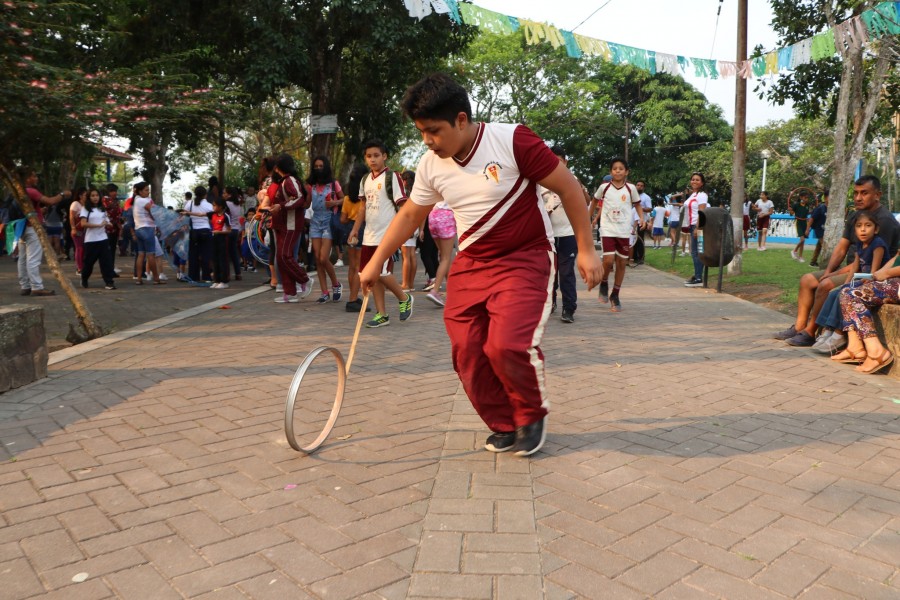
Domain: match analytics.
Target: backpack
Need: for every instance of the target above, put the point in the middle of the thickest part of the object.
(14, 212)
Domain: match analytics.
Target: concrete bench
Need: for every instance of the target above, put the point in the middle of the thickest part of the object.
(887, 319)
(23, 345)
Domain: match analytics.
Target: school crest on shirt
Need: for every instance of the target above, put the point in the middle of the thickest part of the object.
(491, 172)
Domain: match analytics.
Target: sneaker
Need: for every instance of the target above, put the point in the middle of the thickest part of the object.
(566, 317)
(406, 307)
(604, 292)
(116, 270)
(530, 438)
(786, 334)
(553, 308)
(110, 286)
(323, 298)
(279, 289)
(794, 254)
(436, 298)
(683, 253)
(500, 441)
(830, 343)
(355, 306)
(25, 292)
(337, 291)
(429, 285)
(379, 320)
(285, 299)
(304, 289)
(84, 284)
(162, 277)
(43, 293)
(616, 305)
(179, 276)
(800, 259)
(224, 286)
(801, 340)
(693, 282)
(339, 263)
(814, 263)
(214, 286)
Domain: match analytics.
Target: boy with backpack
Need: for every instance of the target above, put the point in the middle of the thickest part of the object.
(500, 286)
(382, 195)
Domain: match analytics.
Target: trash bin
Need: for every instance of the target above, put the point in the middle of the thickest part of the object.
(718, 237)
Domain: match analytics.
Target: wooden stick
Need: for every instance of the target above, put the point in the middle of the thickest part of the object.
(359, 322)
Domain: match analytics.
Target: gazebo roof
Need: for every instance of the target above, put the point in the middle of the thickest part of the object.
(105, 152)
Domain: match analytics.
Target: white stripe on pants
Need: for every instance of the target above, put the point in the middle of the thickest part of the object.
(30, 255)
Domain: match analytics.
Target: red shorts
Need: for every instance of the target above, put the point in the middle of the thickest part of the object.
(365, 256)
(746, 223)
(762, 222)
(618, 246)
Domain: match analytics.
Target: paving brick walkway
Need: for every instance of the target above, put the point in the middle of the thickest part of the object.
(689, 456)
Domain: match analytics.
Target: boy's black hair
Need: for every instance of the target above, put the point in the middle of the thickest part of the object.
(436, 96)
(112, 187)
(374, 143)
(558, 151)
(188, 195)
(220, 202)
(618, 159)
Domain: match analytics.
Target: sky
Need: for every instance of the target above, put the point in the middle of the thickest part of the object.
(683, 27)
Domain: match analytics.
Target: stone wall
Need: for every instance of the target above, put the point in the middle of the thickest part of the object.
(23, 345)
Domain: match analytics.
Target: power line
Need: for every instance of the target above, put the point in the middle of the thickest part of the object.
(592, 14)
(715, 33)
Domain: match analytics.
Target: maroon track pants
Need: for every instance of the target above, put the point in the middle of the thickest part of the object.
(291, 271)
(495, 316)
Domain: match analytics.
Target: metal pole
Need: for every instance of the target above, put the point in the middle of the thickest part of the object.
(765, 163)
(739, 143)
(721, 256)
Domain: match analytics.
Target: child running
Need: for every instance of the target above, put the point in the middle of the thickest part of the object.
(500, 285)
(616, 200)
(382, 198)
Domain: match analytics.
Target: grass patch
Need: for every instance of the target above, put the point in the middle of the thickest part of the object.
(769, 278)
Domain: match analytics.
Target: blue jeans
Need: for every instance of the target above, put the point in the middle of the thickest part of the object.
(695, 254)
(830, 316)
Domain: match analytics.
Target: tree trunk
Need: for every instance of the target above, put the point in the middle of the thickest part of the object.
(91, 329)
(155, 164)
(856, 104)
(67, 168)
(221, 165)
(739, 147)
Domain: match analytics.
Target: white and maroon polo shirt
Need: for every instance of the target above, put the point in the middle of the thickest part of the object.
(492, 191)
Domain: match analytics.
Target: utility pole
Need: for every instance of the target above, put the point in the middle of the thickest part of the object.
(739, 145)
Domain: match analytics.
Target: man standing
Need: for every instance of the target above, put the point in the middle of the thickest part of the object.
(639, 249)
(800, 210)
(566, 245)
(816, 224)
(764, 209)
(114, 214)
(30, 251)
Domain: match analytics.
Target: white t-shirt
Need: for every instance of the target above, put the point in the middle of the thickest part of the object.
(95, 217)
(765, 207)
(559, 220)
(492, 191)
(616, 211)
(142, 218)
(692, 208)
(646, 203)
(659, 217)
(380, 210)
(747, 208)
(674, 213)
(203, 206)
(235, 213)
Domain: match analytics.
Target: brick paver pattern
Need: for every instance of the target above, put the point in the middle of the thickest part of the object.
(688, 456)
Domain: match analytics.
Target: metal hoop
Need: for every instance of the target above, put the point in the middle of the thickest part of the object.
(295, 388)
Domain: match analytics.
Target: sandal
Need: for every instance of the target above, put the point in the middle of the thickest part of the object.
(881, 362)
(159, 281)
(848, 357)
(138, 282)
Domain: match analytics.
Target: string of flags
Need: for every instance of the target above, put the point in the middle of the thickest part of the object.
(880, 21)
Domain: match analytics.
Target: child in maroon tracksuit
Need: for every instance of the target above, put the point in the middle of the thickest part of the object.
(499, 289)
(287, 211)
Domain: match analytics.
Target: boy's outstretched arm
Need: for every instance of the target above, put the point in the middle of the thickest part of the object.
(569, 190)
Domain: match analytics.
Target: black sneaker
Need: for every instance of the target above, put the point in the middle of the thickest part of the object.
(566, 317)
(802, 340)
(110, 286)
(553, 308)
(500, 441)
(604, 292)
(786, 334)
(84, 283)
(530, 438)
(693, 282)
